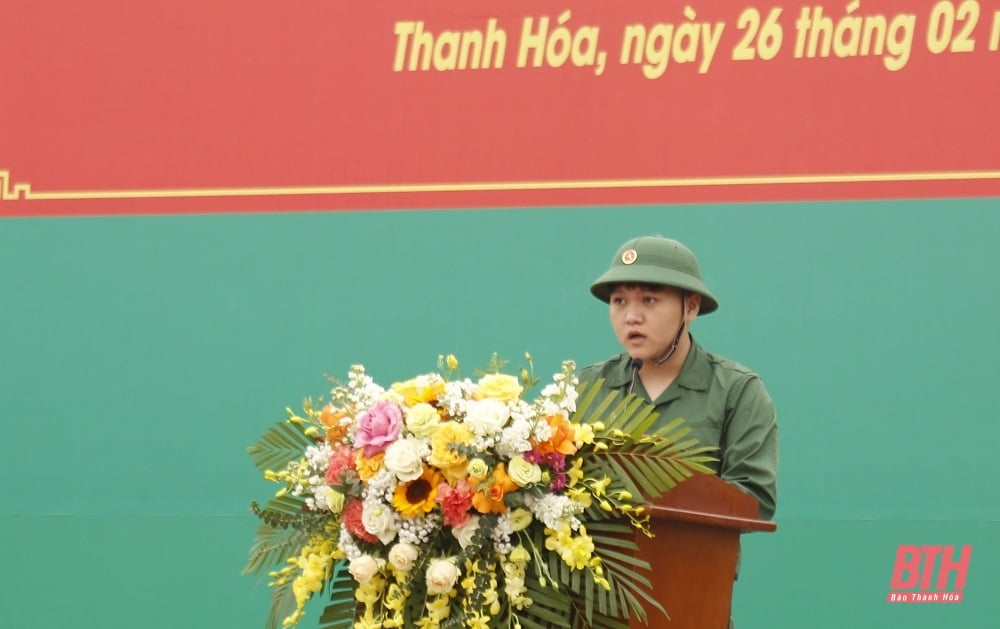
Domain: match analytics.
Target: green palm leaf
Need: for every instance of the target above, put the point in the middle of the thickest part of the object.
(339, 613)
(656, 460)
(283, 442)
(272, 545)
(550, 607)
(647, 463)
(628, 574)
(282, 605)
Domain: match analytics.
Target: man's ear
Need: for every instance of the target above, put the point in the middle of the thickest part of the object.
(693, 306)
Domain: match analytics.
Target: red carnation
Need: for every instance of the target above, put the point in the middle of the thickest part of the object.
(352, 521)
(342, 459)
(455, 502)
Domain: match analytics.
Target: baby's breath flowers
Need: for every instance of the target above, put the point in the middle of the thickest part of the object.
(448, 501)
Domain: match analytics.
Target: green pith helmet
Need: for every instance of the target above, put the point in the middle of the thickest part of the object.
(655, 260)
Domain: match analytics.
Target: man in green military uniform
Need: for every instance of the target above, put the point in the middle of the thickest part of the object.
(654, 292)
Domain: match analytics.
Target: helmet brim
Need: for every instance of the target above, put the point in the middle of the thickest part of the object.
(647, 274)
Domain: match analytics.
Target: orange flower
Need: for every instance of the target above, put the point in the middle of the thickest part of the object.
(563, 437)
(368, 466)
(491, 498)
(331, 416)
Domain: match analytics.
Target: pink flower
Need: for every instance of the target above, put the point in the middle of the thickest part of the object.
(352, 521)
(378, 427)
(455, 502)
(342, 459)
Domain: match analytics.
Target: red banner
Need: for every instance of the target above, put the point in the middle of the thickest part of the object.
(121, 107)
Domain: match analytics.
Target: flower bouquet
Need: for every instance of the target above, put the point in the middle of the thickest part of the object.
(445, 501)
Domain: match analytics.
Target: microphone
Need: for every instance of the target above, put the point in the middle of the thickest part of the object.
(636, 366)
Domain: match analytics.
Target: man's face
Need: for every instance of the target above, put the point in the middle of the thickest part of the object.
(646, 318)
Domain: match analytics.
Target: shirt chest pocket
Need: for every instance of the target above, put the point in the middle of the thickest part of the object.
(700, 413)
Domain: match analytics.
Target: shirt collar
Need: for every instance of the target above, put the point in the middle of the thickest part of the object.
(695, 374)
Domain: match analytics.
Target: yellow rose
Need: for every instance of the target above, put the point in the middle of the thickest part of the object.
(424, 388)
(498, 386)
(444, 455)
(422, 419)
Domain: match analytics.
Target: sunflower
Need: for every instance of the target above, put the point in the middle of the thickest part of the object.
(418, 497)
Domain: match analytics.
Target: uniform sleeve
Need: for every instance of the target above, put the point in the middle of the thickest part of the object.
(750, 445)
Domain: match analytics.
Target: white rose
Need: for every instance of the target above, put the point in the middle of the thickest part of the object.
(422, 419)
(402, 458)
(380, 520)
(363, 568)
(477, 468)
(392, 396)
(403, 555)
(486, 417)
(522, 472)
(465, 532)
(441, 576)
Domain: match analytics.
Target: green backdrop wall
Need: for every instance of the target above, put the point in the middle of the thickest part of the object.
(139, 356)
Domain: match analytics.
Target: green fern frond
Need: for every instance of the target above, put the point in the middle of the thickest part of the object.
(283, 442)
(290, 512)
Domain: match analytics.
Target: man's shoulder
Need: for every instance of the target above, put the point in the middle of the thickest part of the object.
(736, 378)
(729, 371)
(722, 363)
(603, 369)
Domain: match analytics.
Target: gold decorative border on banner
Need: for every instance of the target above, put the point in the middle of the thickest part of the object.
(23, 191)
(20, 190)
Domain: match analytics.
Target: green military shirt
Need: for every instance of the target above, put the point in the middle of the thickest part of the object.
(725, 405)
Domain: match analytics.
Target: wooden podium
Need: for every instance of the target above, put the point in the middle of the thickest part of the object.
(695, 551)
